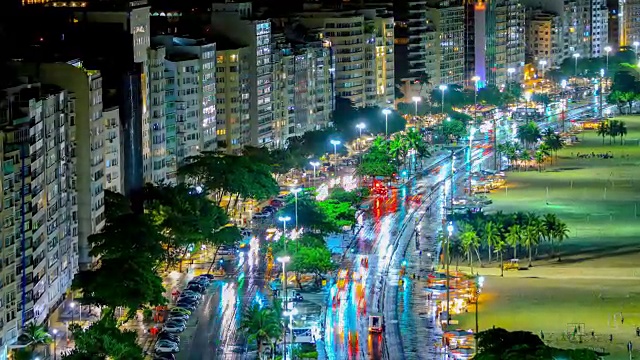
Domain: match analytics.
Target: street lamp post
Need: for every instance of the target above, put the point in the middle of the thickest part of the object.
(284, 220)
(543, 63)
(479, 281)
(527, 97)
(450, 231)
(635, 46)
(563, 84)
(55, 350)
(315, 165)
(575, 69)
(295, 194)
(360, 127)
(607, 50)
(601, 90)
(475, 97)
(284, 260)
(472, 131)
(335, 144)
(416, 100)
(73, 310)
(442, 89)
(386, 113)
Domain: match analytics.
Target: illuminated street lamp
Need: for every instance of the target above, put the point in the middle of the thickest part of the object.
(576, 56)
(475, 96)
(315, 165)
(284, 260)
(607, 49)
(54, 333)
(295, 193)
(543, 63)
(563, 84)
(416, 100)
(450, 231)
(335, 144)
(601, 89)
(360, 126)
(386, 113)
(442, 89)
(284, 220)
(527, 97)
(472, 131)
(635, 46)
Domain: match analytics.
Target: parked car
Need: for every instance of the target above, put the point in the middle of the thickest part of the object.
(200, 281)
(186, 304)
(163, 335)
(276, 203)
(197, 288)
(174, 327)
(164, 356)
(245, 232)
(187, 291)
(261, 215)
(166, 346)
(175, 316)
(269, 209)
(208, 276)
(180, 310)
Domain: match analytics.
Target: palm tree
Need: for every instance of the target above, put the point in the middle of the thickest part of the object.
(470, 241)
(398, 150)
(549, 222)
(560, 233)
(491, 235)
(261, 325)
(415, 141)
(498, 248)
(542, 154)
(35, 335)
(524, 156)
(531, 236)
(529, 133)
(513, 238)
(553, 141)
(613, 128)
(621, 130)
(603, 130)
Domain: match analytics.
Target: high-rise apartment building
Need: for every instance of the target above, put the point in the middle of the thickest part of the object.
(544, 37)
(362, 44)
(237, 22)
(233, 96)
(112, 150)
(599, 27)
(38, 252)
(410, 39)
(445, 42)
(161, 169)
(86, 144)
(628, 22)
(190, 75)
(302, 95)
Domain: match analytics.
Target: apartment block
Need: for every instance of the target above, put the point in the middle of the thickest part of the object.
(302, 92)
(233, 96)
(237, 22)
(190, 76)
(445, 42)
(86, 146)
(113, 150)
(39, 254)
(160, 170)
(362, 43)
(544, 37)
(599, 27)
(628, 22)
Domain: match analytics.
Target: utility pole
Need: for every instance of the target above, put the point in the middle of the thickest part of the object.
(601, 88)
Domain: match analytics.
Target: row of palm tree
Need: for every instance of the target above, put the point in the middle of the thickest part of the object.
(520, 156)
(612, 129)
(401, 145)
(496, 233)
(263, 325)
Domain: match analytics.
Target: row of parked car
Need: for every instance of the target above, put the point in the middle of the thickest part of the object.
(169, 338)
(273, 207)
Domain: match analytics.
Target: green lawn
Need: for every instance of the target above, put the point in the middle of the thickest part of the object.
(599, 276)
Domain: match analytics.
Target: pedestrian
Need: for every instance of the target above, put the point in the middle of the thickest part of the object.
(637, 331)
(593, 334)
(630, 346)
(542, 335)
(610, 337)
(621, 319)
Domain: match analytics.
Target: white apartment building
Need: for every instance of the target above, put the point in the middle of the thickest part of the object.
(599, 27)
(86, 147)
(112, 150)
(38, 253)
(361, 41)
(445, 37)
(161, 171)
(190, 74)
(544, 38)
(236, 21)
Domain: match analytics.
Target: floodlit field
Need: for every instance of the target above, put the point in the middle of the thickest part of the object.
(597, 283)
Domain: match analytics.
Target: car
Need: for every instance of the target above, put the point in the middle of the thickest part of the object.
(261, 215)
(180, 310)
(163, 335)
(269, 208)
(174, 327)
(244, 247)
(166, 346)
(192, 293)
(282, 197)
(203, 279)
(196, 288)
(199, 281)
(189, 305)
(208, 276)
(164, 356)
(189, 298)
(226, 250)
(178, 317)
(276, 203)
(245, 233)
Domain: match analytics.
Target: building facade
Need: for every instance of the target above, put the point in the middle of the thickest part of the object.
(445, 42)
(113, 150)
(236, 21)
(40, 255)
(544, 37)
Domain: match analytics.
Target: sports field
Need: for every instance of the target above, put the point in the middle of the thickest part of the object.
(597, 283)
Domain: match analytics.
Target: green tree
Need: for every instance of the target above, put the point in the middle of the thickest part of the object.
(560, 233)
(35, 335)
(377, 161)
(542, 154)
(513, 238)
(452, 129)
(341, 195)
(310, 215)
(491, 236)
(498, 248)
(340, 213)
(603, 130)
(314, 260)
(529, 134)
(553, 141)
(261, 325)
(103, 340)
(531, 234)
(470, 242)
